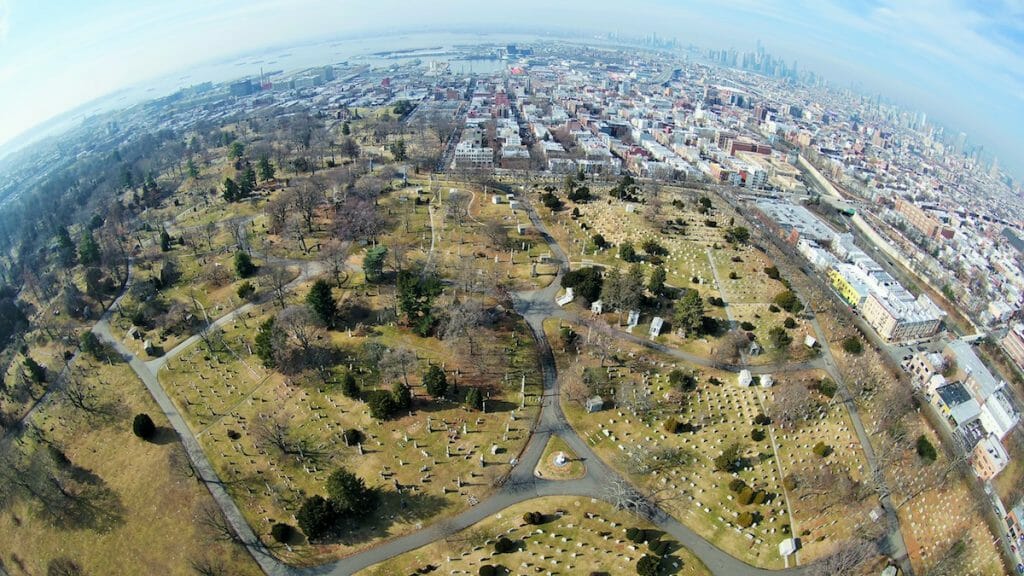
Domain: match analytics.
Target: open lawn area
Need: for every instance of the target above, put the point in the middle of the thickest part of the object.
(576, 536)
(141, 511)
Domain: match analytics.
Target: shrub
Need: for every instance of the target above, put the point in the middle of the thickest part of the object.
(504, 545)
(627, 253)
(749, 327)
(827, 387)
(733, 275)
(648, 566)
(773, 308)
(672, 426)
(760, 496)
(282, 532)
(757, 435)
(789, 322)
(143, 426)
(746, 496)
(926, 450)
(822, 449)
(352, 436)
(772, 272)
(762, 420)
(533, 518)
(635, 534)
(737, 485)
(852, 345)
(487, 570)
(745, 519)
(660, 547)
(246, 290)
(789, 482)
(729, 460)
(788, 301)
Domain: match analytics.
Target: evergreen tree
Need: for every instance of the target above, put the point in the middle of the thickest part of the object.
(243, 264)
(321, 301)
(402, 395)
(266, 169)
(689, 315)
(316, 517)
(349, 495)
(268, 339)
(231, 191)
(474, 399)
(435, 381)
(373, 263)
(143, 427)
(657, 282)
(88, 250)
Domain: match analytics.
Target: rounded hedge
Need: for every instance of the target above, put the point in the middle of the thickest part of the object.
(143, 426)
(504, 545)
(282, 532)
(745, 520)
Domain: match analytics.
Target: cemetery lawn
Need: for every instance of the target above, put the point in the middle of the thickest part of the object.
(151, 512)
(590, 530)
(574, 467)
(719, 415)
(230, 401)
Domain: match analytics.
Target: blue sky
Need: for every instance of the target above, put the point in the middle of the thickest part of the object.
(959, 60)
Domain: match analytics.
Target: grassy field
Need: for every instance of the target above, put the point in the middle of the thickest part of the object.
(548, 469)
(152, 516)
(578, 536)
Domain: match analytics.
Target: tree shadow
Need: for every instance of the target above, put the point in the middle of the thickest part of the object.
(163, 435)
(393, 508)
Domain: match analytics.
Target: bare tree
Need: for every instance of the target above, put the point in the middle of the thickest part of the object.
(215, 524)
(82, 396)
(462, 323)
(846, 559)
(277, 436)
(307, 200)
(206, 566)
(278, 277)
(574, 386)
(397, 362)
(335, 254)
(731, 347)
(63, 566)
(212, 336)
(792, 403)
(300, 325)
(277, 213)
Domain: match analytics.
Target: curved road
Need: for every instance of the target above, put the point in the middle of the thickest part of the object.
(521, 485)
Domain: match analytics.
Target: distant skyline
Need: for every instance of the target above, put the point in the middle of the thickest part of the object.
(957, 60)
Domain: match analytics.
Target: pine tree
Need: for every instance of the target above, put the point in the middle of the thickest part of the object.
(435, 381)
(321, 302)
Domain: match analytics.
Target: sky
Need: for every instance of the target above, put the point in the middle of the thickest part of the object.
(958, 60)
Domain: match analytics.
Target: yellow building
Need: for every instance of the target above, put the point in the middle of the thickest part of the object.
(847, 282)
